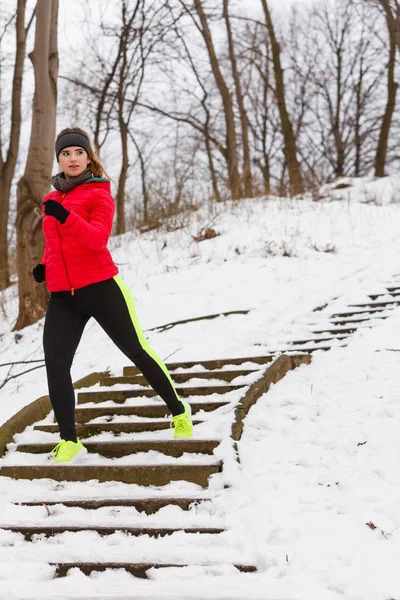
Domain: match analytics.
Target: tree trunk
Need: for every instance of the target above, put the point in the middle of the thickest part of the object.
(123, 130)
(336, 129)
(265, 168)
(232, 159)
(393, 19)
(122, 178)
(35, 182)
(381, 152)
(246, 174)
(290, 146)
(357, 128)
(145, 192)
(7, 167)
(214, 179)
(207, 141)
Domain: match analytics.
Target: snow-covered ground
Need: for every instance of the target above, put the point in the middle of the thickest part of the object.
(314, 502)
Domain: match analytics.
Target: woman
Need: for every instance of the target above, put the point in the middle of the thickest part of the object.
(83, 282)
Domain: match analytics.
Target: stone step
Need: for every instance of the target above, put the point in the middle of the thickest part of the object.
(207, 364)
(147, 505)
(154, 411)
(135, 569)
(159, 474)
(317, 340)
(28, 531)
(388, 303)
(358, 312)
(339, 330)
(306, 350)
(351, 321)
(122, 395)
(85, 430)
(393, 289)
(117, 449)
(394, 293)
(179, 377)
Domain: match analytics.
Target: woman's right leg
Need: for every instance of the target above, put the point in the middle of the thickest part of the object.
(63, 330)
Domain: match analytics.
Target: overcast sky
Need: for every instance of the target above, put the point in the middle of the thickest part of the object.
(71, 27)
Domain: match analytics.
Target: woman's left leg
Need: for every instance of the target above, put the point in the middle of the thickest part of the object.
(113, 308)
(63, 330)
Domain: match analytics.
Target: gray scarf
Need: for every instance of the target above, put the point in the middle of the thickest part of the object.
(66, 185)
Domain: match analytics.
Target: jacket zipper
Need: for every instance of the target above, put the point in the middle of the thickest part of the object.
(63, 259)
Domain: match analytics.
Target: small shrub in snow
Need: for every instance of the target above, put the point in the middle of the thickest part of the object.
(329, 248)
(284, 248)
(206, 233)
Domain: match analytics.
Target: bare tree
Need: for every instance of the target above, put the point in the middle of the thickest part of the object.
(192, 104)
(204, 128)
(131, 68)
(301, 58)
(290, 144)
(229, 114)
(246, 173)
(143, 177)
(348, 80)
(8, 157)
(35, 182)
(116, 80)
(206, 103)
(392, 14)
(367, 81)
(144, 27)
(262, 117)
(392, 11)
(254, 110)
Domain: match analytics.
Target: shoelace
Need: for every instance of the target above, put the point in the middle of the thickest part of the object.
(180, 422)
(56, 450)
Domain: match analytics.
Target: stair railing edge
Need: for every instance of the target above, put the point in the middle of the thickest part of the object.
(272, 374)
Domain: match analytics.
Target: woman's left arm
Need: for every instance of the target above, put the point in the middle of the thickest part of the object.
(94, 234)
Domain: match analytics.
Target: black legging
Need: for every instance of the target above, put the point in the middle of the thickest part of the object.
(111, 304)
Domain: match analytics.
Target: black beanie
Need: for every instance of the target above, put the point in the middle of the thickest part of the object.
(72, 139)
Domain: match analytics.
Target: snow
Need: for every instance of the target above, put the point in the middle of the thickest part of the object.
(313, 502)
(385, 190)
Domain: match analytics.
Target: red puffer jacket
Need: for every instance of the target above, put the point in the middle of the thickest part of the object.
(75, 252)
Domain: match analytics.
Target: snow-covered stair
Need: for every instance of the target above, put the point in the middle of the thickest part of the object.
(337, 327)
(141, 500)
(139, 497)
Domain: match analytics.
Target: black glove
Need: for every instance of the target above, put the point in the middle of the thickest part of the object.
(56, 210)
(38, 273)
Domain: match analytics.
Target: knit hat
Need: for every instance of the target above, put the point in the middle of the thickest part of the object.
(72, 139)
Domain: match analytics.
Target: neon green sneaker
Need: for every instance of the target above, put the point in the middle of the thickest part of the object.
(183, 423)
(68, 452)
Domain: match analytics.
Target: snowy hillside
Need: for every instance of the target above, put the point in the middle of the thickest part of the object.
(319, 456)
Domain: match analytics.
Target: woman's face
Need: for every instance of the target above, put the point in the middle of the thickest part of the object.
(73, 161)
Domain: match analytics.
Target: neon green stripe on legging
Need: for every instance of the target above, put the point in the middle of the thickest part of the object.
(142, 339)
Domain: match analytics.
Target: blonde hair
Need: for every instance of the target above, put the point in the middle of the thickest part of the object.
(95, 163)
